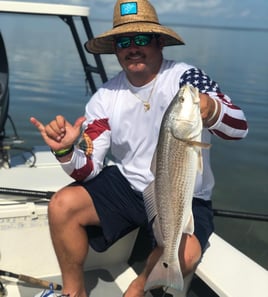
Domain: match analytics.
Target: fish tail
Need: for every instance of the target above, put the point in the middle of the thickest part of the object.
(165, 275)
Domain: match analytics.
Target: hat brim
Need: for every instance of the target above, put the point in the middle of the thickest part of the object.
(104, 43)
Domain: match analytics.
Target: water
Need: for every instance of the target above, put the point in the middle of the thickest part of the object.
(46, 79)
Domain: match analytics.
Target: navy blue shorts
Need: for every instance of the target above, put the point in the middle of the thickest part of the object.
(121, 210)
(203, 220)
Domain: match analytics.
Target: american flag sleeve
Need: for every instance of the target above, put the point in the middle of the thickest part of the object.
(231, 123)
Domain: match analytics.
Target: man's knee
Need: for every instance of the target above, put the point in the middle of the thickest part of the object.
(58, 205)
(60, 198)
(66, 202)
(73, 203)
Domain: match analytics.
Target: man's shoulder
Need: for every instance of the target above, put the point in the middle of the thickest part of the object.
(179, 66)
(116, 80)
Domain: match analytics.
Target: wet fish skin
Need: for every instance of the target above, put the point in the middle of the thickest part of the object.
(177, 161)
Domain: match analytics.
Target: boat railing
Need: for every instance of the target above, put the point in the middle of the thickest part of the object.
(94, 71)
(67, 13)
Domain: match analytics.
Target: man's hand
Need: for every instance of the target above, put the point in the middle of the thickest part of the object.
(207, 107)
(59, 133)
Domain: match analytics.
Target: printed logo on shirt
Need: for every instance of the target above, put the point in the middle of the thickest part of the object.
(128, 8)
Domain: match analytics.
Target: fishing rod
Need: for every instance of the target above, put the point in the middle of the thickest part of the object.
(217, 212)
(3, 291)
(32, 280)
(26, 193)
(240, 215)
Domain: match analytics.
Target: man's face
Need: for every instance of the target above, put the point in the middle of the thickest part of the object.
(139, 54)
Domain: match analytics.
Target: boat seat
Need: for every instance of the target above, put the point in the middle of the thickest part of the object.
(226, 271)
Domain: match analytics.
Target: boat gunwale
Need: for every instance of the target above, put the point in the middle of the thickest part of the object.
(43, 8)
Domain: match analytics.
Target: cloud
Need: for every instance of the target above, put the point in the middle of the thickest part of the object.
(185, 5)
(218, 11)
(162, 7)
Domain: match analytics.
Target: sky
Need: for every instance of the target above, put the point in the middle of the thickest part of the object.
(232, 13)
(245, 13)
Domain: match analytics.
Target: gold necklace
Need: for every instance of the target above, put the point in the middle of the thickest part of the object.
(146, 103)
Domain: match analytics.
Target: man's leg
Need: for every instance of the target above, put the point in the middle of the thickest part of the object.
(69, 211)
(189, 255)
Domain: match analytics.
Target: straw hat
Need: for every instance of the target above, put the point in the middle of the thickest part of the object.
(137, 16)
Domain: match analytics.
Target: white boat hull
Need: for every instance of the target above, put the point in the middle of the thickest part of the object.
(26, 248)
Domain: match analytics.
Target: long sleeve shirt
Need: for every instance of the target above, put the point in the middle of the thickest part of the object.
(118, 124)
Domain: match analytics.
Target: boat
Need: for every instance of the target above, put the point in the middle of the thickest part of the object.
(27, 260)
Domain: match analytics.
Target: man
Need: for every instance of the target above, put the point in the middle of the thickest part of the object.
(124, 116)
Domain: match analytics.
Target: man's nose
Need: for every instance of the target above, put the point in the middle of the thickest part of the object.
(133, 44)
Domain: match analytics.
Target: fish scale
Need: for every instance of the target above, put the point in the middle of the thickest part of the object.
(176, 167)
(179, 199)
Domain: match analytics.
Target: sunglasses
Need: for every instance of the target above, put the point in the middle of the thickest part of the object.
(139, 40)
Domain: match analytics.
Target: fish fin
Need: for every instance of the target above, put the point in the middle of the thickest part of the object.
(149, 200)
(196, 95)
(198, 143)
(200, 162)
(189, 226)
(158, 232)
(165, 275)
(153, 163)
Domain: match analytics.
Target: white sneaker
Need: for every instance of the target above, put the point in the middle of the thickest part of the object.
(46, 293)
(50, 293)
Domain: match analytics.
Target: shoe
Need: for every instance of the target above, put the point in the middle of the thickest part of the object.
(46, 293)
(50, 293)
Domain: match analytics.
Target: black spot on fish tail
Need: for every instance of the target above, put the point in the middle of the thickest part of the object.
(165, 264)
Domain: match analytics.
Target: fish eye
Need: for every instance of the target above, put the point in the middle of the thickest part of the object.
(181, 99)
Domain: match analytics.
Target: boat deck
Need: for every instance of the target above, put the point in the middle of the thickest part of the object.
(101, 283)
(111, 279)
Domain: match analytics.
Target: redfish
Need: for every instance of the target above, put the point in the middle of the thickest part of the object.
(178, 158)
